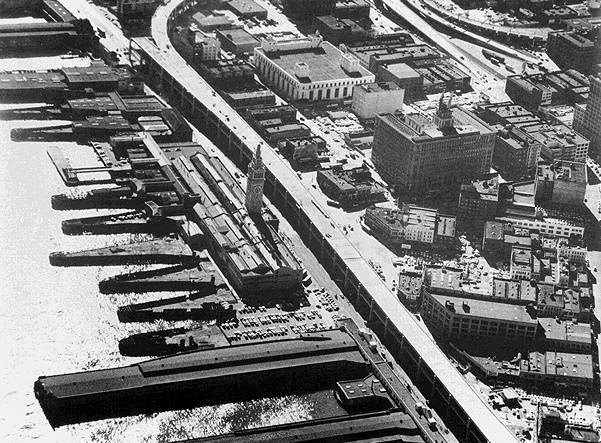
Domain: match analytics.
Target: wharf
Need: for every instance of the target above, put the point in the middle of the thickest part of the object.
(120, 197)
(385, 426)
(59, 133)
(213, 376)
(126, 222)
(197, 306)
(202, 277)
(71, 176)
(32, 113)
(172, 341)
(163, 251)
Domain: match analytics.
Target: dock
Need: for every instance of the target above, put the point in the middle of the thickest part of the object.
(213, 376)
(119, 197)
(385, 426)
(217, 306)
(126, 222)
(163, 251)
(172, 341)
(202, 278)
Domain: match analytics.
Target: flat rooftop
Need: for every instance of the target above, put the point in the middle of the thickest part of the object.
(464, 123)
(238, 36)
(31, 80)
(487, 309)
(379, 87)
(323, 63)
(564, 330)
(401, 70)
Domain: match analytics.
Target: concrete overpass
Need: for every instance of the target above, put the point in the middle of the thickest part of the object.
(413, 11)
(463, 411)
(452, 21)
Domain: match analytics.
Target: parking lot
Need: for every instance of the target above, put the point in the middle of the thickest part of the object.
(256, 323)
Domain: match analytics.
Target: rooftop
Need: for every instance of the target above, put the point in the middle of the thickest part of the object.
(238, 36)
(410, 284)
(564, 171)
(419, 128)
(379, 87)
(401, 70)
(322, 63)
(560, 364)
(408, 215)
(244, 7)
(563, 330)
(486, 309)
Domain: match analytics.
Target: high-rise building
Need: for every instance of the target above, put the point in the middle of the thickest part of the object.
(377, 98)
(587, 118)
(478, 203)
(136, 8)
(572, 50)
(255, 183)
(413, 152)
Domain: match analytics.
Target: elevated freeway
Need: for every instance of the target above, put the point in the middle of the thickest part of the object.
(531, 35)
(461, 408)
(412, 12)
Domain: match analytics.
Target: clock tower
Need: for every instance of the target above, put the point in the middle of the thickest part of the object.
(254, 183)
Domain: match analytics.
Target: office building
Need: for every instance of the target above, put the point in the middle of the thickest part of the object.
(245, 99)
(527, 92)
(350, 187)
(309, 69)
(237, 40)
(520, 265)
(515, 153)
(545, 225)
(440, 76)
(196, 46)
(378, 55)
(415, 154)
(358, 9)
(561, 183)
(471, 319)
(128, 9)
(211, 21)
(558, 142)
(377, 98)
(478, 203)
(409, 289)
(533, 91)
(307, 9)
(339, 30)
(587, 117)
(567, 335)
(410, 224)
(572, 50)
(247, 9)
(302, 150)
(226, 72)
(559, 369)
(405, 77)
